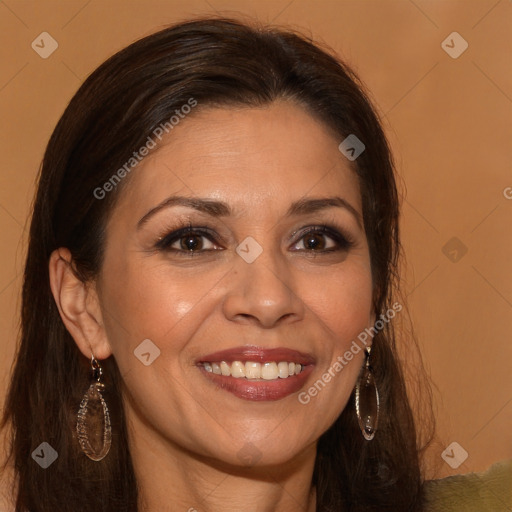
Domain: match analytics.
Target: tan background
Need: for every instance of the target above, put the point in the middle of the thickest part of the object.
(449, 122)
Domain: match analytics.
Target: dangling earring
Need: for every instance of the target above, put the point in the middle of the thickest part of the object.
(93, 415)
(367, 400)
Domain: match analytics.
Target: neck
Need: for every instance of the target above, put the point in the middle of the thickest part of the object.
(172, 479)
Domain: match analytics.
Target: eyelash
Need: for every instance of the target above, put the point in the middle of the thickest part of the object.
(343, 240)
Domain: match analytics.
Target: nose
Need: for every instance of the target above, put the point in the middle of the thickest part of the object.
(262, 293)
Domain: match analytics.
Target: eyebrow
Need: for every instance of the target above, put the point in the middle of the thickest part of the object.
(220, 209)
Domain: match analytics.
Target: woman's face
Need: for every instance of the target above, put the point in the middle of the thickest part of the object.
(275, 270)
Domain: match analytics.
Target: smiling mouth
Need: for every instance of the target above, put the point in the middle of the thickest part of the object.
(254, 370)
(257, 374)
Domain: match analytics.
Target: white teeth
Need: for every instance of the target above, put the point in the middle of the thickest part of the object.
(237, 369)
(283, 370)
(270, 370)
(225, 369)
(253, 370)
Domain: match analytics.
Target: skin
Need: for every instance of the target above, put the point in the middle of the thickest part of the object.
(187, 436)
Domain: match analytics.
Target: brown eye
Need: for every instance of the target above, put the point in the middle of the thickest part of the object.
(314, 241)
(188, 241)
(322, 239)
(191, 243)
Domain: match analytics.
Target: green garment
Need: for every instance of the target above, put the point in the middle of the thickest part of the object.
(489, 491)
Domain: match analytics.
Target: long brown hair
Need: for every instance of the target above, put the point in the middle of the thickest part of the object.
(216, 62)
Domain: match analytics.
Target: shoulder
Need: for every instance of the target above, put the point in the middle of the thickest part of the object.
(489, 491)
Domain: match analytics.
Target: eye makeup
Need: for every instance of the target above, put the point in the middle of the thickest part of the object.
(194, 240)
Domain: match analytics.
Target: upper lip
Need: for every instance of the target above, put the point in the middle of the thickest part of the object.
(259, 354)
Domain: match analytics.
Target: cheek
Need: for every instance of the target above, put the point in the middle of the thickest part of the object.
(341, 301)
(143, 300)
(341, 307)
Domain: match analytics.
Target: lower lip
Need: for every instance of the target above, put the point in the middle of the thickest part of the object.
(260, 390)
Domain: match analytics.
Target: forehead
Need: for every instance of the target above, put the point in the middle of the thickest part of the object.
(269, 155)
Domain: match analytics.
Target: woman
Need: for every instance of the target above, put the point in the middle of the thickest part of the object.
(209, 291)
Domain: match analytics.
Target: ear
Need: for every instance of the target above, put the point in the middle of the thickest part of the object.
(78, 306)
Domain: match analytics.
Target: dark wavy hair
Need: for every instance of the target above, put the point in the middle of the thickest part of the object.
(218, 62)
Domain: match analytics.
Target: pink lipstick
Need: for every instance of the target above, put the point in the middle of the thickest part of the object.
(257, 374)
